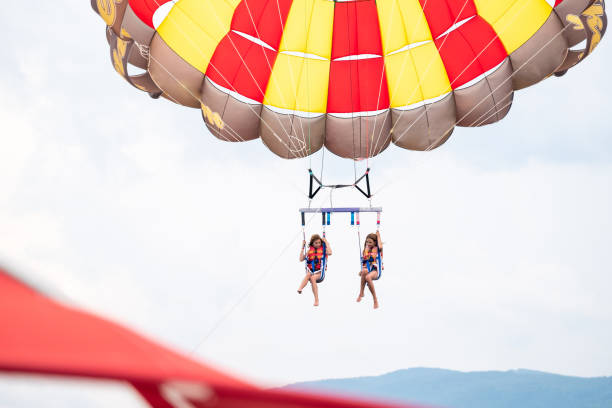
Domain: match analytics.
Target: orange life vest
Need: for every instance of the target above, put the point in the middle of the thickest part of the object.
(315, 255)
(370, 255)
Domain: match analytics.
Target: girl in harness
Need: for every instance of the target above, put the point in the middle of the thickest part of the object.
(371, 265)
(316, 257)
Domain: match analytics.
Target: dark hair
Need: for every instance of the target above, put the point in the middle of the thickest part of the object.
(314, 238)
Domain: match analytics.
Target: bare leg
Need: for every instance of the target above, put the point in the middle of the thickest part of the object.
(315, 288)
(371, 287)
(362, 284)
(304, 282)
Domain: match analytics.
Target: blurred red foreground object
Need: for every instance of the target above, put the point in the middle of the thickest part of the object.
(41, 336)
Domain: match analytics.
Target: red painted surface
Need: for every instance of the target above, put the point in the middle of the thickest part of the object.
(39, 335)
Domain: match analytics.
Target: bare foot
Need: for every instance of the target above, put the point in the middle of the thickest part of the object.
(359, 298)
(376, 304)
(316, 303)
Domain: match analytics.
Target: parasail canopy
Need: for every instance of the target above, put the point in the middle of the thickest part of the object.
(351, 75)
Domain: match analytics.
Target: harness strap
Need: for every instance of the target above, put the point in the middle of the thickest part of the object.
(369, 264)
(323, 263)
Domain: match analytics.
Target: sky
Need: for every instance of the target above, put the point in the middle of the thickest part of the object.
(495, 244)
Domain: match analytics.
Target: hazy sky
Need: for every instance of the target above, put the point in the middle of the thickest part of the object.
(496, 244)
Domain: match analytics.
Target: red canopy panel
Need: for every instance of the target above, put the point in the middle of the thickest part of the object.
(145, 9)
(39, 335)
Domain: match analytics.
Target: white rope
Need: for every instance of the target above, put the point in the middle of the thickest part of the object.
(249, 290)
(435, 142)
(143, 49)
(290, 133)
(476, 106)
(382, 74)
(187, 37)
(429, 66)
(197, 97)
(359, 239)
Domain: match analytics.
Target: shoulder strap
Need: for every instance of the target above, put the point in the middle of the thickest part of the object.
(324, 258)
(308, 255)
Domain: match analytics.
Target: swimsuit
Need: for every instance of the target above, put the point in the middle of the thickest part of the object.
(370, 259)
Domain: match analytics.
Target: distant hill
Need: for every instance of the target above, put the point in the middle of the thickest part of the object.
(484, 389)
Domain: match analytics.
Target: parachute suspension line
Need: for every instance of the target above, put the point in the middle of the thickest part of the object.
(379, 244)
(322, 158)
(486, 114)
(304, 233)
(196, 46)
(324, 260)
(350, 65)
(427, 71)
(198, 98)
(368, 152)
(247, 293)
(519, 13)
(359, 240)
(492, 91)
(350, 62)
(322, 147)
(306, 30)
(417, 87)
(354, 163)
(232, 131)
(434, 143)
(302, 144)
(380, 82)
(401, 74)
(295, 149)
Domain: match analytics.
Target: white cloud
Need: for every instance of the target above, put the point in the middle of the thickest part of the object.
(495, 244)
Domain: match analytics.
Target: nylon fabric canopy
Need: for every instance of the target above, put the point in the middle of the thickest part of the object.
(352, 76)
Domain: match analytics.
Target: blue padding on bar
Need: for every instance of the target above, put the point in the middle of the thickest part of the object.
(340, 210)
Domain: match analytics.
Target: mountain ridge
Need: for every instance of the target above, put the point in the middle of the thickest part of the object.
(475, 389)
